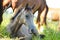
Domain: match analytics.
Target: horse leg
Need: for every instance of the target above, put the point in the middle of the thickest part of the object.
(45, 15)
(1, 18)
(41, 8)
(39, 13)
(1, 11)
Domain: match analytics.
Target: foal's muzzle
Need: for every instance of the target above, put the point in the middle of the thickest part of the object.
(33, 31)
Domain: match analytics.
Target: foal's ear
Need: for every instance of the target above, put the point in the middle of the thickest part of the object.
(26, 6)
(33, 7)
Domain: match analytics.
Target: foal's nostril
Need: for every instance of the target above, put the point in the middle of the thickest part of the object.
(29, 31)
(33, 32)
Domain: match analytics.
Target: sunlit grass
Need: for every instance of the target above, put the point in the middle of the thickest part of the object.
(6, 19)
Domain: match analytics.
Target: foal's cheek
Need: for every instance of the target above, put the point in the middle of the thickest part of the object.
(22, 20)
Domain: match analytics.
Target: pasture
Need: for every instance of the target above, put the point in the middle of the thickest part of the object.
(50, 31)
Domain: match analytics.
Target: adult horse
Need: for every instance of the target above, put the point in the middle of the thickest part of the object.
(22, 24)
(39, 6)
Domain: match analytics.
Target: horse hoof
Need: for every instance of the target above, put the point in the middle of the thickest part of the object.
(42, 36)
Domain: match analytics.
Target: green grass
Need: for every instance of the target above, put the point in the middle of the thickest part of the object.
(6, 19)
(49, 32)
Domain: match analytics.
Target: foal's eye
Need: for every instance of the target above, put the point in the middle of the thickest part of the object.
(27, 16)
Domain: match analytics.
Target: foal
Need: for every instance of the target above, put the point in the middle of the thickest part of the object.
(22, 24)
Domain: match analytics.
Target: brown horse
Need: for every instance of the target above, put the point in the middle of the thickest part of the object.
(39, 6)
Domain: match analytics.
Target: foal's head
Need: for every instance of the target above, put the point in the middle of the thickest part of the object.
(23, 16)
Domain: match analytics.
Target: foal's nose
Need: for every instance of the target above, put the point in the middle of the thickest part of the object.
(29, 31)
(33, 31)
